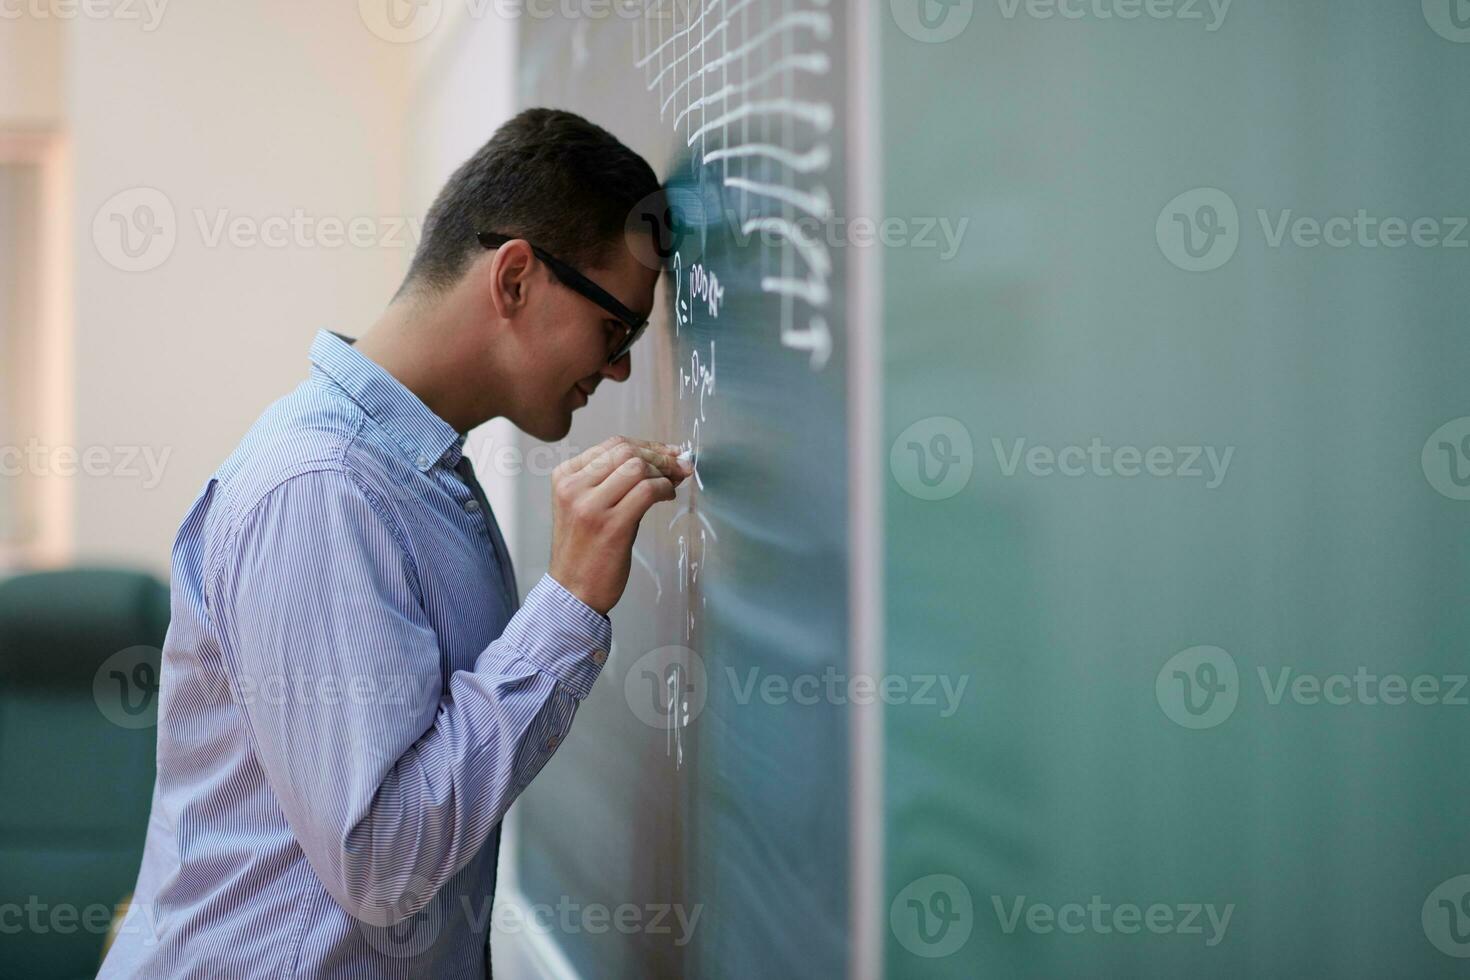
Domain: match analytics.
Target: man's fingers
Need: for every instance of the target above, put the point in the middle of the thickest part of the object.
(580, 461)
(610, 492)
(605, 460)
(660, 459)
(641, 497)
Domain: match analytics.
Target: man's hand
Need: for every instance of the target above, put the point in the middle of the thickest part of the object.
(597, 500)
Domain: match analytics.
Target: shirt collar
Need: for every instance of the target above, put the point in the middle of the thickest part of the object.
(423, 437)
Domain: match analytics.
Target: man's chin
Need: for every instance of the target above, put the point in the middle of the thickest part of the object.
(552, 429)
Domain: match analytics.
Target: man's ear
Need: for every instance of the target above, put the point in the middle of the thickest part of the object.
(509, 272)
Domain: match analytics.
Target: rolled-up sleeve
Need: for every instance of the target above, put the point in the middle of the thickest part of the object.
(390, 781)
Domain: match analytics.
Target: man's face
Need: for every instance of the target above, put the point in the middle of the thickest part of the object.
(569, 338)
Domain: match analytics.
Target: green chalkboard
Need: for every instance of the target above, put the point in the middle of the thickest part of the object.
(1170, 471)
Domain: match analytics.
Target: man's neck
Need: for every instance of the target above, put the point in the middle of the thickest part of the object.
(426, 352)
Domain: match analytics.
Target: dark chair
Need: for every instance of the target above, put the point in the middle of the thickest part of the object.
(79, 668)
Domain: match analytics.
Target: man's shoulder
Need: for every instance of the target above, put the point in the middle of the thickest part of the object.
(311, 433)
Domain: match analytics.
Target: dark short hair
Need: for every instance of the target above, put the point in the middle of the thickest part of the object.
(548, 176)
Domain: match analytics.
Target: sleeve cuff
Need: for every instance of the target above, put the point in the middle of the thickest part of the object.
(561, 635)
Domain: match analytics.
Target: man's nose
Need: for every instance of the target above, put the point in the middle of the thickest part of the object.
(620, 369)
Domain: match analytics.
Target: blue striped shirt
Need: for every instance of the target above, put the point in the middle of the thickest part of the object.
(351, 699)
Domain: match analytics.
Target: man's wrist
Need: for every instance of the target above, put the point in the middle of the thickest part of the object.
(577, 589)
(561, 635)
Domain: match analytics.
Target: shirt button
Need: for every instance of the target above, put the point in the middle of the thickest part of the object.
(422, 462)
(599, 657)
(553, 742)
(471, 506)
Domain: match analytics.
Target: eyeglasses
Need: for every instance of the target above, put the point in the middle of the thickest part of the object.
(578, 283)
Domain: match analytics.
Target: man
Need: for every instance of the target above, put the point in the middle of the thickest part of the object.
(352, 695)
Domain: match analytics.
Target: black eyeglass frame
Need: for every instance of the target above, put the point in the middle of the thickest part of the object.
(579, 283)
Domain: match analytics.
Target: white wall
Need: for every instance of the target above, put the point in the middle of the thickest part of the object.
(249, 110)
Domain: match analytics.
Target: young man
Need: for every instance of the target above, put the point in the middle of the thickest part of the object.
(352, 695)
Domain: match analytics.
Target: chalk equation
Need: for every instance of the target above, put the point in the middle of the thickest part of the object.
(722, 67)
(730, 78)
